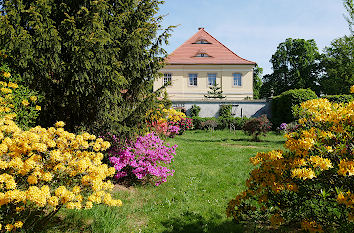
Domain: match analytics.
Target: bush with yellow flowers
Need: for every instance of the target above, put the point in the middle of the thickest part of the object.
(17, 99)
(44, 170)
(310, 185)
(168, 121)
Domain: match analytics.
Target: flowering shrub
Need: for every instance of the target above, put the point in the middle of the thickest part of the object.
(43, 170)
(169, 122)
(183, 124)
(310, 185)
(256, 127)
(144, 158)
(18, 100)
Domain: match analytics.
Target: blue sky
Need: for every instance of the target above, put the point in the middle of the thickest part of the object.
(254, 28)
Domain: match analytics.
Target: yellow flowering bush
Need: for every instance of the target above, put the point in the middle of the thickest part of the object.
(17, 99)
(44, 170)
(312, 183)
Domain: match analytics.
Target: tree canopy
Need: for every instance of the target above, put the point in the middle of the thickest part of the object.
(295, 64)
(93, 61)
(338, 64)
(257, 81)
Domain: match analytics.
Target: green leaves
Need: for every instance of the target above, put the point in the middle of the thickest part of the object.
(296, 64)
(81, 55)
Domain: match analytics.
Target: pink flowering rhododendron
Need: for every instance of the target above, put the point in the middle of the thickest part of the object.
(144, 157)
(184, 124)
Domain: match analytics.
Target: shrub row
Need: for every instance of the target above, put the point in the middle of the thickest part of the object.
(221, 122)
(286, 105)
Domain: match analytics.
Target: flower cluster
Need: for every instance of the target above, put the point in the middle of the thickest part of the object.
(144, 158)
(169, 122)
(311, 182)
(17, 101)
(183, 124)
(43, 170)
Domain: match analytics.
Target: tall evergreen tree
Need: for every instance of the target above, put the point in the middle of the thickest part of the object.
(94, 60)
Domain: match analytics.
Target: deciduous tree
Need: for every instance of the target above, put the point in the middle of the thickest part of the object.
(338, 63)
(296, 64)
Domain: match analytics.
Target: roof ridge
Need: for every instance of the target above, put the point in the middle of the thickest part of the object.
(224, 55)
(225, 46)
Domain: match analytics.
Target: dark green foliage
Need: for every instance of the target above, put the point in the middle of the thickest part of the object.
(215, 93)
(225, 110)
(197, 121)
(256, 127)
(194, 111)
(338, 63)
(257, 82)
(296, 64)
(94, 61)
(283, 104)
(339, 98)
(227, 122)
(222, 122)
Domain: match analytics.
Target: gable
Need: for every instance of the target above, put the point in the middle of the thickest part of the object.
(202, 48)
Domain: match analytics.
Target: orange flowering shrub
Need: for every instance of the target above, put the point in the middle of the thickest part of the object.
(312, 183)
(43, 170)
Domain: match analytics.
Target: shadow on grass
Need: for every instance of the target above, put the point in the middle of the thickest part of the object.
(71, 223)
(229, 139)
(194, 223)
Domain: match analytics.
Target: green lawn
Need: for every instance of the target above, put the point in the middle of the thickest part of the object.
(211, 168)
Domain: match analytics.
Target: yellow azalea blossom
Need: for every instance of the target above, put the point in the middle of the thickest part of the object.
(18, 224)
(303, 173)
(38, 108)
(6, 90)
(33, 98)
(322, 163)
(6, 74)
(12, 85)
(25, 103)
(352, 89)
(60, 124)
(41, 169)
(346, 168)
(9, 227)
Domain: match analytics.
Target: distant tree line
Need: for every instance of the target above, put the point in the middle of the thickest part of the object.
(297, 63)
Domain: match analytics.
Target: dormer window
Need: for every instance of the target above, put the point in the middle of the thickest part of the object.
(202, 41)
(202, 55)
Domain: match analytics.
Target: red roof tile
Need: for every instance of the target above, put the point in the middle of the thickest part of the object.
(216, 51)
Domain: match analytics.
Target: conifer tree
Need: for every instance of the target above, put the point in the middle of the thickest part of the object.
(93, 61)
(215, 92)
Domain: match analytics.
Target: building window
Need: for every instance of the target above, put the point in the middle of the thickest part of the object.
(202, 55)
(193, 79)
(211, 79)
(237, 80)
(167, 78)
(202, 41)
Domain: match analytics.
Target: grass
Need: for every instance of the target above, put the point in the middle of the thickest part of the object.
(211, 168)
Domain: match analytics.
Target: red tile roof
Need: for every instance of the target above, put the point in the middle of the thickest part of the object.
(217, 53)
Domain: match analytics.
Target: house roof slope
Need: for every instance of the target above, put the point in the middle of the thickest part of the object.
(215, 52)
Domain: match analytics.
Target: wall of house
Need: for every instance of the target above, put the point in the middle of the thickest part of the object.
(181, 90)
(248, 108)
